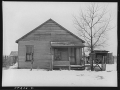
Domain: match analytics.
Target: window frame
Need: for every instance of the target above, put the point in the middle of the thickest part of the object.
(29, 52)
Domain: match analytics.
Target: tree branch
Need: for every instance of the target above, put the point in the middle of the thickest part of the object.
(100, 35)
(85, 20)
(98, 30)
(92, 25)
(100, 44)
(81, 26)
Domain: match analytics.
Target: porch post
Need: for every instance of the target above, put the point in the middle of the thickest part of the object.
(79, 54)
(52, 63)
(69, 56)
(83, 56)
(52, 58)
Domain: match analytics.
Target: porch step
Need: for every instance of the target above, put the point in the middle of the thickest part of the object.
(60, 67)
(76, 67)
(72, 67)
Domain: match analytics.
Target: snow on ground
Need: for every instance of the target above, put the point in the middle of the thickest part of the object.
(37, 77)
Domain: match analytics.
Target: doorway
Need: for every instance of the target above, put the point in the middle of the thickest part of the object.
(73, 56)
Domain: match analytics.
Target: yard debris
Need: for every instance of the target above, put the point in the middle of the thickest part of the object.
(100, 77)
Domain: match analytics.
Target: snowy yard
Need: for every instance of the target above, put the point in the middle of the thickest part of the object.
(37, 77)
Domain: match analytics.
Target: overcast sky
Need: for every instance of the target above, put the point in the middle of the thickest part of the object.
(20, 18)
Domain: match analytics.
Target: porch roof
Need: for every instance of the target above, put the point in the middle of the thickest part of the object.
(67, 44)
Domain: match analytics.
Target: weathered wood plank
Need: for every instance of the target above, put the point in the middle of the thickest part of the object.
(52, 32)
(39, 64)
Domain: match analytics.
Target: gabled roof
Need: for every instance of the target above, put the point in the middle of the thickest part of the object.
(44, 24)
(14, 53)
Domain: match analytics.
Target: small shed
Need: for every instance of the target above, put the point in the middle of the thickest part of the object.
(99, 54)
(98, 60)
(13, 57)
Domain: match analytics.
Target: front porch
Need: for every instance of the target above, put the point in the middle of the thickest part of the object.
(67, 56)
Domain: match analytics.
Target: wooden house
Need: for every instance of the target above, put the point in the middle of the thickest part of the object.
(50, 46)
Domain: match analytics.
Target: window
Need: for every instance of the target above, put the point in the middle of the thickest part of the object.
(57, 54)
(29, 52)
(61, 54)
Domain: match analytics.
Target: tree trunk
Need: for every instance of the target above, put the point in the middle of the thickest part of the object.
(91, 51)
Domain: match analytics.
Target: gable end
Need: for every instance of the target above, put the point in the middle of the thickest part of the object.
(56, 24)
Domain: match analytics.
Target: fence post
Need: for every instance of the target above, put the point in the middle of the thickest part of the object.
(103, 66)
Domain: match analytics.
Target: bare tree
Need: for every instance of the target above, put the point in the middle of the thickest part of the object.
(93, 25)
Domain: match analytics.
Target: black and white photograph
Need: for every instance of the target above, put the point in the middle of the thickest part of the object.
(59, 44)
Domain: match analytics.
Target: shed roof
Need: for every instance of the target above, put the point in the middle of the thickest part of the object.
(100, 51)
(14, 53)
(45, 23)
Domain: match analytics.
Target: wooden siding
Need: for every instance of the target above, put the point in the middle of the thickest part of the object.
(50, 32)
(42, 56)
(110, 59)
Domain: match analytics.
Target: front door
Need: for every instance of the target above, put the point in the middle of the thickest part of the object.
(61, 54)
(72, 56)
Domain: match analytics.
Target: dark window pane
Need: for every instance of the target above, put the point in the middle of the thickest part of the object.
(29, 52)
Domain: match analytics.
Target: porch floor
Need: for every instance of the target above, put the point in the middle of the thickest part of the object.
(76, 65)
(69, 67)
